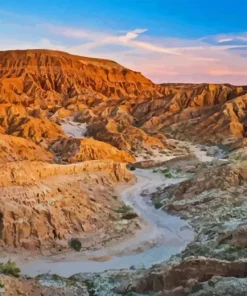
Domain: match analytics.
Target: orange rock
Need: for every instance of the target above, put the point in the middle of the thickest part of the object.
(77, 150)
(16, 149)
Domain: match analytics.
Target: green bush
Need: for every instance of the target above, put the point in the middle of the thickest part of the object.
(10, 268)
(56, 277)
(168, 175)
(90, 287)
(165, 170)
(123, 210)
(1, 285)
(129, 216)
(75, 244)
(132, 168)
(158, 205)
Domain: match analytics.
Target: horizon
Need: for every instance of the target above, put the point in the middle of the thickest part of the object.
(186, 42)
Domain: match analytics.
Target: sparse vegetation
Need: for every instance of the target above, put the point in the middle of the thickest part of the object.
(56, 277)
(168, 175)
(10, 268)
(166, 172)
(123, 210)
(75, 244)
(235, 249)
(129, 216)
(90, 287)
(158, 205)
(114, 197)
(1, 285)
(132, 168)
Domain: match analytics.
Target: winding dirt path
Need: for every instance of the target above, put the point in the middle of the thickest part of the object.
(164, 236)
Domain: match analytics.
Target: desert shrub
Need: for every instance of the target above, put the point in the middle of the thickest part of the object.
(168, 175)
(129, 216)
(164, 170)
(132, 168)
(123, 210)
(10, 268)
(75, 244)
(158, 205)
(90, 287)
(56, 277)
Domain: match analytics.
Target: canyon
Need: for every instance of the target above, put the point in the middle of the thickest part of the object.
(111, 184)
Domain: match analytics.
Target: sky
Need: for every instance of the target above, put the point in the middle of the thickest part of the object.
(166, 40)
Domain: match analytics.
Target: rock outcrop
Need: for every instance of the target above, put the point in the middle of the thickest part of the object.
(213, 201)
(17, 149)
(78, 150)
(186, 278)
(116, 101)
(16, 120)
(20, 287)
(128, 138)
(44, 205)
(50, 78)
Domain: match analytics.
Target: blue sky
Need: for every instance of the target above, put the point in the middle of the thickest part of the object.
(167, 40)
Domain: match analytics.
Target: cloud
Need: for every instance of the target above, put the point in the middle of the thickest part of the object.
(155, 48)
(218, 58)
(225, 40)
(131, 35)
(97, 39)
(231, 38)
(69, 32)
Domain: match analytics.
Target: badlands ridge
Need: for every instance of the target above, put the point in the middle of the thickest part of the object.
(73, 130)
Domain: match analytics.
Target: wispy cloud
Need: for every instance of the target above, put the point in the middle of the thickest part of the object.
(232, 38)
(222, 40)
(131, 35)
(217, 58)
(69, 32)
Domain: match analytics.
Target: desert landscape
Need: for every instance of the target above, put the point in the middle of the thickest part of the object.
(111, 184)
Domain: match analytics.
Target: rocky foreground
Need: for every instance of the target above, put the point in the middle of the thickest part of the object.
(213, 201)
(72, 128)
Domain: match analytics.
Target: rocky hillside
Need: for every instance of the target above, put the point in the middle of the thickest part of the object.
(44, 205)
(69, 125)
(112, 99)
(49, 78)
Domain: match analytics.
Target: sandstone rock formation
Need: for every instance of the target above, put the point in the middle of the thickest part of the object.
(77, 150)
(128, 138)
(15, 120)
(214, 202)
(44, 205)
(20, 287)
(187, 277)
(50, 78)
(114, 100)
(17, 149)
